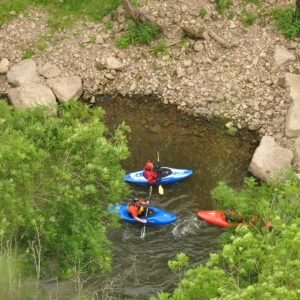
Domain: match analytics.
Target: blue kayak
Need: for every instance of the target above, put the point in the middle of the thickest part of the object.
(155, 216)
(168, 175)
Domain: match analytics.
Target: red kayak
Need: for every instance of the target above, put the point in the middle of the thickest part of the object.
(215, 217)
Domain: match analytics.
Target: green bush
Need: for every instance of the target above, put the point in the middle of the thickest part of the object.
(58, 175)
(287, 20)
(138, 34)
(254, 263)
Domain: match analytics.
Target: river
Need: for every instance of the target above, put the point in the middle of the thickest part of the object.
(140, 266)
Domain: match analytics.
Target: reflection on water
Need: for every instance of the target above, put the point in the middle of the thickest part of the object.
(182, 142)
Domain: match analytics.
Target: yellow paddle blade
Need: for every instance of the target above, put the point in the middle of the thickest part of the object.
(160, 190)
(157, 157)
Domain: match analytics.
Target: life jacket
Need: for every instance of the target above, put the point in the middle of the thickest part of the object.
(135, 209)
(150, 175)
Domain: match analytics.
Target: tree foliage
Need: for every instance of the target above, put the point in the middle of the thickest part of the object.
(58, 175)
(254, 263)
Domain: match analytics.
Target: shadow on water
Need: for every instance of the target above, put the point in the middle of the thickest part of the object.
(183, 142)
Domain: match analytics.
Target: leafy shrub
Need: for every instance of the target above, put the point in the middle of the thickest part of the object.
(138, 34)
(58, 175)
(287, 20)
(254, 263)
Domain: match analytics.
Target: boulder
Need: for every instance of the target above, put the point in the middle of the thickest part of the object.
(113, 63)
(31, 95)
(22, 73)
(4, 64)
(282, 56)
(270, 159)
(49, 71)
(66, 88)
(292, 127)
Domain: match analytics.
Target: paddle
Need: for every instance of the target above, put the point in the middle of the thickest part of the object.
(160, 188)
(143, 231)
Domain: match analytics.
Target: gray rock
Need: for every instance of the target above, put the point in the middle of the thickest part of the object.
(229, 124)
(270, 159)
(253, 125)
(198, 46)
(113, 63)
(282, 56)
(180, 72)
(31, 95)
(281, 82)
(4, 64)
(99, 39)
(49, 71)
(22, 73)
(66, 88)
(292, 128)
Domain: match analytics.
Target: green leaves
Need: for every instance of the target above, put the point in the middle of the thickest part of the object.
(254, 263)
(58, 175)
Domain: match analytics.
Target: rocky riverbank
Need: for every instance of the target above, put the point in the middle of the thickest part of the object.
(250, 84)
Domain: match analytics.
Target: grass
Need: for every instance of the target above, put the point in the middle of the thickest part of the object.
(288, 21)
(202, 12)
(248, 18)
(222, 5)
(231, 15)
(28, 53)
(138, 34)
(62, 14)
(161, 48)
(36, 46)
(109, 25)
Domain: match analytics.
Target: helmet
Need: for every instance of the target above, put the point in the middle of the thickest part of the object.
(135, 199)
(149, 165)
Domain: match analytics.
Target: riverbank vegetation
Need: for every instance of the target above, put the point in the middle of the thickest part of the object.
(138, 34)
(58, 175)
(62, 13)
(255, 263)
(287, 20)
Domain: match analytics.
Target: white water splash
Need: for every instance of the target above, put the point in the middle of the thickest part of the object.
(188, 226)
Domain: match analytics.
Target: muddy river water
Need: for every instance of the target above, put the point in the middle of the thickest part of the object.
(140, 266)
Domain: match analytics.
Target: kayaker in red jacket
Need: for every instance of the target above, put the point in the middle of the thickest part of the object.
(150, 174)
(136, 209)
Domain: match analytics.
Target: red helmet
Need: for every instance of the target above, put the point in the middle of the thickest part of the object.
(149, 165)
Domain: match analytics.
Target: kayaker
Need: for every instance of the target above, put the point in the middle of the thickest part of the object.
(151, 173)
(137, 210)
(232, 216)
